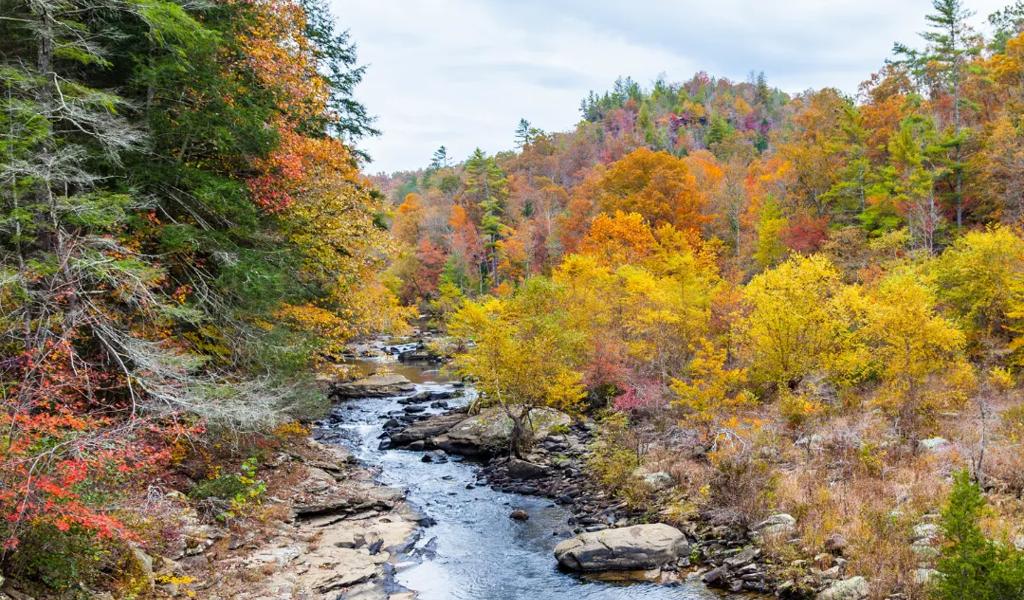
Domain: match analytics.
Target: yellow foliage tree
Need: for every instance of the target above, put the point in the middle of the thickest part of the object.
(522, 355)
(910, 343)
(793, 323)
(712, 392)
(977, 276)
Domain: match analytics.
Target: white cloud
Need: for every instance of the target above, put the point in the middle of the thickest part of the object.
(463, 72)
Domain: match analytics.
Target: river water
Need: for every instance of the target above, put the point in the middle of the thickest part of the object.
(475, 551)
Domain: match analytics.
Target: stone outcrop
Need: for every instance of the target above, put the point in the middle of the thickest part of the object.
(484, 434)
(623, 549)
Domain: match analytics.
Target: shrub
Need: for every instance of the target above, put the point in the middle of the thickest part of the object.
(743, 485)
(1013, 423)
(615, 456)
(232, 494)
(879, 547)
(60, 560)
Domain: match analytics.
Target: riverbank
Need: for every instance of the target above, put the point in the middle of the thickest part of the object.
(722, 556)
(724, 553)
(325, 526)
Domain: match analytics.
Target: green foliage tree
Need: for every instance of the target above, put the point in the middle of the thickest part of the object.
(942, 65)
(972, 566)
(487, 187)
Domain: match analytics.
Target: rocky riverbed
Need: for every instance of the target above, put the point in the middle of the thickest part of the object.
(554, 469)
(724, 556)
(484, 538)
(404, 494)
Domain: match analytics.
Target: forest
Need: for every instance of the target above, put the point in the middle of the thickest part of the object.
(186, 235)
(805, 310)
(810, 304)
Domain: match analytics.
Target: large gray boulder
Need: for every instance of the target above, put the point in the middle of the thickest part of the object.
(374, 386)
(489, 432)
(623, 549)
(854, 588)
(777, 526)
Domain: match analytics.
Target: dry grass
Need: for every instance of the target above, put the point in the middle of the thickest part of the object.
(854, 472)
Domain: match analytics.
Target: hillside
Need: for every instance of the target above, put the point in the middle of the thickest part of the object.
(807, 305)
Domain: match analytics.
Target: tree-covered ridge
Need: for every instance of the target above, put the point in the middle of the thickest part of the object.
(786, 302)
(185, 232)
(927, 146)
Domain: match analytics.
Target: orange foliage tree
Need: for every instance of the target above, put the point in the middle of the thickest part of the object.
(656, 185)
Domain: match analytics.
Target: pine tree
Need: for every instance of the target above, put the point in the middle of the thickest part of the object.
(524, 133)
(1008, 23)
(338, 64)
(973, 566)
(486, 185)
(440, 159)
(949, 45)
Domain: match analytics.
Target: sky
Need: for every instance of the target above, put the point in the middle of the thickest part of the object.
(461, 73)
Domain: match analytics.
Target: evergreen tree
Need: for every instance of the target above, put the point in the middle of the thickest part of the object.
(972, 566)
(949, 45)
(487, 186)
(440, 159)
(1007, 23)
(338, 63)
(524, 133)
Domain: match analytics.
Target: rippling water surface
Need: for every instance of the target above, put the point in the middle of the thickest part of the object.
(475, 551)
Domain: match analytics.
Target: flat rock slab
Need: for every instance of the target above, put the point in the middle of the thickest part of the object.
(427, 429)
(374, 386)
(623, 549)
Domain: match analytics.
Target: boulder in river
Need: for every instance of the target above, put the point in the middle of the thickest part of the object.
(623, 548)
(374, 386)
(488, 433)
(521, 469)
(426, 429)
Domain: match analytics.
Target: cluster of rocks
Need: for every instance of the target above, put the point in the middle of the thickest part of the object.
(416, 350)
(736, 570)
(483, 435)
(338, 531)
(553, 468)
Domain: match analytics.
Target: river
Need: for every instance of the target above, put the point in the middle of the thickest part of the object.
(474, 551)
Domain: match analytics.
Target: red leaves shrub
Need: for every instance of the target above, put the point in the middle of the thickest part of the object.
(72, 448)
(642, 395)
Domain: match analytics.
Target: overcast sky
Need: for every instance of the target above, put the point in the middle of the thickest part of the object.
(463, 72)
